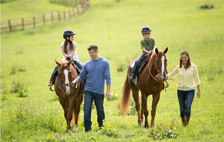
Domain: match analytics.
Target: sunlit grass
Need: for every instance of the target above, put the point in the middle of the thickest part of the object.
(115, 28)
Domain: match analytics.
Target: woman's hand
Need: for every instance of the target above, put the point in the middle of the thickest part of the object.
(198, 94)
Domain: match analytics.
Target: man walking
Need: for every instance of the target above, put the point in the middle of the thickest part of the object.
(96, 71)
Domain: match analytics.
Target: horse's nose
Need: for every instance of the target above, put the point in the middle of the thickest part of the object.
(67, 90)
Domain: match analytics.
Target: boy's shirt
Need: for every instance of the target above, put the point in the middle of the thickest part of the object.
(149, 45)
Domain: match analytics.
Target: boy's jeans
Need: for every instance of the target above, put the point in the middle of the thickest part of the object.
(185, 100)
(88, 100)
(137, 62)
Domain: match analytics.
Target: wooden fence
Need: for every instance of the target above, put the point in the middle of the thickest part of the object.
(34, 22)
(69, 2)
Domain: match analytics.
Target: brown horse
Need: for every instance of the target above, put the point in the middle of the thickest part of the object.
(67, 93)
(147, 84)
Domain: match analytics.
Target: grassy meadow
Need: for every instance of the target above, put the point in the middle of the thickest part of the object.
(31, 112)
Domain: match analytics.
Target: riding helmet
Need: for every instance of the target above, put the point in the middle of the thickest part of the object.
(68, 33)
(146, 30)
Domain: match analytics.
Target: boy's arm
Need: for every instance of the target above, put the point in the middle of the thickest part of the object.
(146, 51)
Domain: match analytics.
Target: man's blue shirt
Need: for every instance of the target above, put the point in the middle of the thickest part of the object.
(96, 72)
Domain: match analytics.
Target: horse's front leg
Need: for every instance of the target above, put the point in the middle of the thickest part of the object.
(145, 110)
(69, 114)
(155, 101)
(77, 110)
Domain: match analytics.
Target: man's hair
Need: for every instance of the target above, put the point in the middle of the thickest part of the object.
(93, 46)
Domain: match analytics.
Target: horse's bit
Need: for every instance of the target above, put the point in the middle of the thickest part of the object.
(65, 85)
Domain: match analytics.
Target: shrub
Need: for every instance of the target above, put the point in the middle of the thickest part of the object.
(109, 131)
(163, 131)
(207, 6)
(19, 87)
(13, 69)
(16, 68)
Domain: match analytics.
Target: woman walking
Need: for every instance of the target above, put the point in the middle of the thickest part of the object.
(188, 79)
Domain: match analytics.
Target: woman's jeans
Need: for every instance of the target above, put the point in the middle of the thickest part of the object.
(185, 100)
(56, 67)
(88, 100)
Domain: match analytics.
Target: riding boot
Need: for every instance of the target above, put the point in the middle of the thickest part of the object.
(185, 120)
(132, 77)
(50, 82)
(188, 119)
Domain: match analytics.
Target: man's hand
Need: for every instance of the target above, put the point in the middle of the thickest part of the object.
(74, 82)
(108, 95)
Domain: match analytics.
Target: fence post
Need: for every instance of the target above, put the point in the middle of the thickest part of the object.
(10, 27)
(34, 21)
(59, 18)
(22, 24)
(52, 17)
(64, 15)
(44, 19)
(69, 14)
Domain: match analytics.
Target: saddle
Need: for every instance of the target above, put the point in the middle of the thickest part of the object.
(140, 67)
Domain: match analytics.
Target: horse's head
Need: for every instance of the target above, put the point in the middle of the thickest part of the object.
(64, 76)
(161, 62)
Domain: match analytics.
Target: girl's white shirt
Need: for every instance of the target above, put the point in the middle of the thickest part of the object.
(74, 56)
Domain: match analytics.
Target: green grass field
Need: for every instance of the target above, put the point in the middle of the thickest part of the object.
(27, 57)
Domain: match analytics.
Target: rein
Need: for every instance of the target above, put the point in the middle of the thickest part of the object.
(160, 76)
(65, 85)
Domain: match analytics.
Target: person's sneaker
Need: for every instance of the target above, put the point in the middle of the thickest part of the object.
(132, 77)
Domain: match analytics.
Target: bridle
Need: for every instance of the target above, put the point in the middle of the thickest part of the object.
(63, 85)
(160, 75)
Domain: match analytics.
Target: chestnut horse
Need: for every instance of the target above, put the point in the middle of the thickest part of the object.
(147, 84)
(67, 93)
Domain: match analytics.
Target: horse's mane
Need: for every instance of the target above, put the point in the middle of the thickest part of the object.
(152, 56)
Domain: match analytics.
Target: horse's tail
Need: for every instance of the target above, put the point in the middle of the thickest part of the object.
(124, 102)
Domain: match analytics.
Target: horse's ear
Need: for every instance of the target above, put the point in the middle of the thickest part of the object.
(69, 62)
(157, 51)
(59, 64)
(165, 51)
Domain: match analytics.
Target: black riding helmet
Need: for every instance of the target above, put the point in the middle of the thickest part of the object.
(68, 33)
(146, 30)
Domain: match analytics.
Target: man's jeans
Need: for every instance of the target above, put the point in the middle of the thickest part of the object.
(88, 100)
(185, 100)
(137, 62)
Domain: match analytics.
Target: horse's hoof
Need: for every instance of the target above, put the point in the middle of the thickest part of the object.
(146, 125)
(75, 127)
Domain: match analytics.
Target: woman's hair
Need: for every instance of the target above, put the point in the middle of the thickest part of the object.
(71, 47)
(93, 46)
(189, 59)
